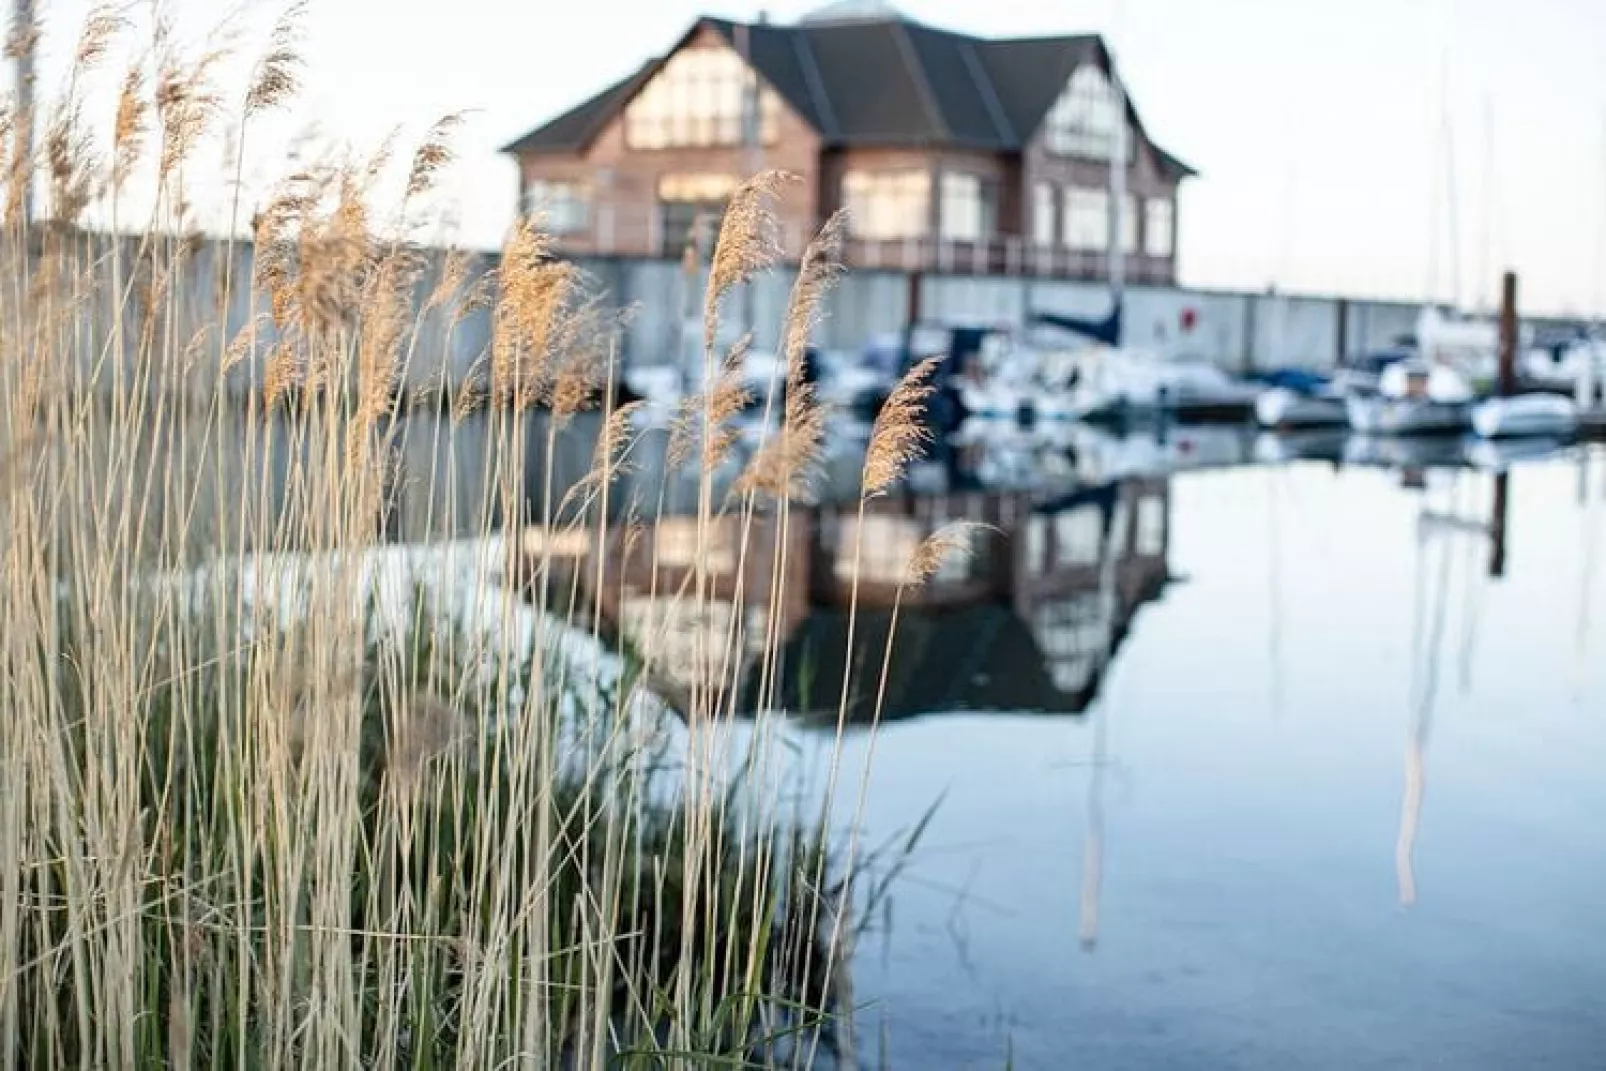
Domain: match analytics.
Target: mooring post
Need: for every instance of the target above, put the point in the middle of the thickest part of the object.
(1498, 525)
(912, 314)
(1508, 335)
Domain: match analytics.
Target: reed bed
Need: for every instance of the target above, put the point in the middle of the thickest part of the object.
(276, 797)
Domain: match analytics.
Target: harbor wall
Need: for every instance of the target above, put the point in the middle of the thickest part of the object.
(1238, 331)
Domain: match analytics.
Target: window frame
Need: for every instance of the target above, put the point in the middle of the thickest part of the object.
(1077, 232)
(875, 198)
(1084, 118)
(1151, 228)
(565, 203)
(698, 100)
(976, 197)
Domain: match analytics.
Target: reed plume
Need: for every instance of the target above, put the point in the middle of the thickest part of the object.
(186, 103)
(704, 417)
(69, 160)
(899, 433)
(103, 23)
(434, 154)
(130, 126)
(535, 296)
(749, 242)
(952, 540)
(784, 466)
(277, 75)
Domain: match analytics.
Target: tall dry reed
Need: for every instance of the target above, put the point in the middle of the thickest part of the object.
(280, 794)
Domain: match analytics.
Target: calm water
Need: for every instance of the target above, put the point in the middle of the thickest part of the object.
(1339, 802)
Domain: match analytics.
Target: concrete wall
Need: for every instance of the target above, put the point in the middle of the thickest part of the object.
(1239, 331)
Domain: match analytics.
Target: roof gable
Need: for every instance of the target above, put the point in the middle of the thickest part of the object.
(574, 129)
(880, 81)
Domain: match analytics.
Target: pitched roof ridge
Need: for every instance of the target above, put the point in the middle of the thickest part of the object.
(606, 102)
(989, 93)
(917, 74)
(816, 85)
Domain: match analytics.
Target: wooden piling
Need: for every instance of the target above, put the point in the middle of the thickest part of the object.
(1498, 523)
(1508, 335)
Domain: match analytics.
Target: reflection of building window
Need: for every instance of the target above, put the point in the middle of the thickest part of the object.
(565, 207)
(1072, 633)
(1151, 526)
(1087, 219)
(887, 546)
(1078, 536)
(967, 208)
(885, 205)
(699, 99)
(1158, 225)
(677, 545)
(1043, 213)
(1120, 529)
(1036, 545)
(688, 644)
(1083, 121)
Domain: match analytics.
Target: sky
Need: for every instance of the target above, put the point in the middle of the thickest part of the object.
(1371, 148)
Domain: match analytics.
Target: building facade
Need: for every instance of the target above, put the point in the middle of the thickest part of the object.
(950, 153)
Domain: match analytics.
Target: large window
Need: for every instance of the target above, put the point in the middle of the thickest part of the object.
(688, 201)
(1085, 118)
(1129, 224)
(1043, 215)
(1159, 227)
(699, 99)
(887, 205)
(968, 212)
(564, 206)
(1087, 218)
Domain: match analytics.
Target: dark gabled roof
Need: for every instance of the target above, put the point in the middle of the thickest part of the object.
(882, 81)
(574, 129)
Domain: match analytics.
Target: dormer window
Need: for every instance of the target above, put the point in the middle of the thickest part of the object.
(699, 100)
(1083, 121)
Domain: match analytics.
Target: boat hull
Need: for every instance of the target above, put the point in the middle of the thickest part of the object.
(1525, 415)
(1406, 416)
(1282, 408)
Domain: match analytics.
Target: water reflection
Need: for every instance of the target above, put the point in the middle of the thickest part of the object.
(1230, 854)
(1027, 621)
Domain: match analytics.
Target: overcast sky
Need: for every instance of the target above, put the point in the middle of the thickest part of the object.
(1316, 124)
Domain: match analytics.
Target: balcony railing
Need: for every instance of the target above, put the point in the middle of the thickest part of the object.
(1007, 255)
(636, 231)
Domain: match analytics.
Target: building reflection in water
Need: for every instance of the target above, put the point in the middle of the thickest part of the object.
(1026, 622)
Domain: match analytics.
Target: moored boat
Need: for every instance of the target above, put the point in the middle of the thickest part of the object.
(1525, 415)
(1284, 407)
(1414, 397)
(1382, 415)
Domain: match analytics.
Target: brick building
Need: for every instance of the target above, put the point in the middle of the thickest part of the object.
(952, 153)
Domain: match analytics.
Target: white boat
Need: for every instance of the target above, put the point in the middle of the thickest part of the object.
(1281, 407)
(1525, 415)
(1129, 384)
(1414, 397)
(997, 401)
(1381, 415)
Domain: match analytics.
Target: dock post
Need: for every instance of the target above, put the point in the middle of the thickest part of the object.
(1498, 524)
(1508, 335)
(912, 312)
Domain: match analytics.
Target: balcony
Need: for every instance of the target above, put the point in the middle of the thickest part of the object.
(634, 230)
(1005, 255)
